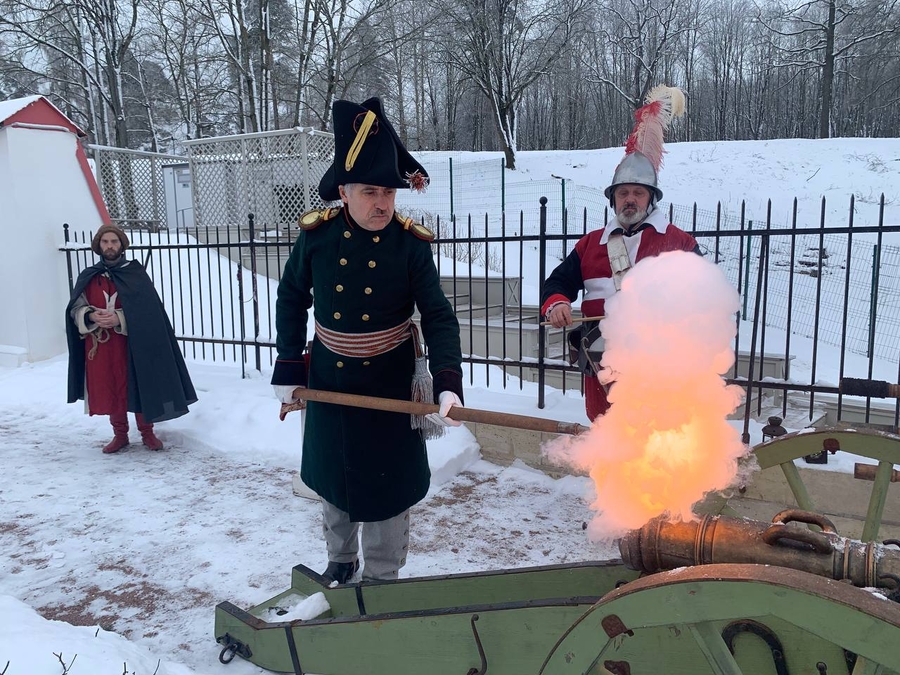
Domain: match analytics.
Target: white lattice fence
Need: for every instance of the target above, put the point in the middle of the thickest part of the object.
(133, 185)
(273, 175)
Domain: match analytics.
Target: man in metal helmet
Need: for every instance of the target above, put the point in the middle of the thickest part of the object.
(634, 182)
(601, 258)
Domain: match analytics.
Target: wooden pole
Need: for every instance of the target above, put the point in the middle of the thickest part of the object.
(578, 320)
(460, 414)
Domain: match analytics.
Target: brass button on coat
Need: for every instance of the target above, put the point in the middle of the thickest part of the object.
(368, 291)
(376, 238)
(337, 315)
(371, 263)
(365, 317)
(343, 261)
(339, 288)
(367, 363)
(346, 234)
(339, 364)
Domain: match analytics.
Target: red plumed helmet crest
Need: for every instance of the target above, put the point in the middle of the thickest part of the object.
(662, 105)
(644, 147)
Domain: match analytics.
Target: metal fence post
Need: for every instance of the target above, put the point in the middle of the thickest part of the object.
(255, 297)
(542, 274)
(503, 185)
(763, 262)
(562, 184)
(452, 211)
(68, 257)
(747, 268)
(241, 313)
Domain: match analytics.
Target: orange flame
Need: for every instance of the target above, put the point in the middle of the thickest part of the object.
(665, 441)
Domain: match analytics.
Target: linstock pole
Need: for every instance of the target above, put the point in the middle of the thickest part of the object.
(460, 414)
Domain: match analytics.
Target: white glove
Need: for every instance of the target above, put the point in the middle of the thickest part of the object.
(446, 400)
(285, 392)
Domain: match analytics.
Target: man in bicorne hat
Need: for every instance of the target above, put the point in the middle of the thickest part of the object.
(601, 258)
(364, 269)
(123, 355)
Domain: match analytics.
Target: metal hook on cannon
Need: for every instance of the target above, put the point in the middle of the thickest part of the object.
(483, 669)
(232, 649)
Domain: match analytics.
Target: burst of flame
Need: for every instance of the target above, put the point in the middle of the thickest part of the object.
(665, 441)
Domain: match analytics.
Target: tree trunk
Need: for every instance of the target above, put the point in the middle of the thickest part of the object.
(827, 75)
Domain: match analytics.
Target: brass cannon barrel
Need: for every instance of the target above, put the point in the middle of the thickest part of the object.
(662, 545)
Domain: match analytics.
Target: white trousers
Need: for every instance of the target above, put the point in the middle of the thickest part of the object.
(384, 542)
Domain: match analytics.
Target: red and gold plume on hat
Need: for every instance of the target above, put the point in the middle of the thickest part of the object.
(418, 182)
(662, 105)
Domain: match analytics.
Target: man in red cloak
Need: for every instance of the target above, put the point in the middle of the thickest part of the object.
(122, 350)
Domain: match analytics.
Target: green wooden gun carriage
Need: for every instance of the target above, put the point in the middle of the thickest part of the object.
(720, 596)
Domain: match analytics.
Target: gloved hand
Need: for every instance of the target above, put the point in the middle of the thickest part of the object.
(285, 392)
(446, 400)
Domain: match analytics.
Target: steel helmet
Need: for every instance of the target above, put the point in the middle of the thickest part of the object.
(634, 169)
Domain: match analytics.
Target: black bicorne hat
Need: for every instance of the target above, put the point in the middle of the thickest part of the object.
(367, 150)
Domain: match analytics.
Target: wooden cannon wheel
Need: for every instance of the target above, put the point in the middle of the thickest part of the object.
(880, 446)
(732, 620)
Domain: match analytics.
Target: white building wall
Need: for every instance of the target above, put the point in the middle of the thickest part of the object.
(41, 187)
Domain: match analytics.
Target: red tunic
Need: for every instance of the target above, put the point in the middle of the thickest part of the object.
(590, 271)
(106, 374)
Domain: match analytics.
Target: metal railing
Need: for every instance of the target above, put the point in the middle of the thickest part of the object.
(219, 291)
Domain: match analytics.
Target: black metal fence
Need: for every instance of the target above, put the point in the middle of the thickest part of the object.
(837, 286)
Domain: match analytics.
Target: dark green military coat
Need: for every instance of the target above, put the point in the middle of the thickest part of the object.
(369, 463)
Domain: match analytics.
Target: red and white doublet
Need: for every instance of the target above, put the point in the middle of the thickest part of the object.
(587, 268)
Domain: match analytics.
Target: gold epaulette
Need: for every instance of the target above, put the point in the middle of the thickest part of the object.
(312, 219)
(418, 229)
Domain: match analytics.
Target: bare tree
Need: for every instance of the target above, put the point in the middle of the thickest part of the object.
(98, 36)
(231, 23)
(506, 45)
(818, 35)
(184, 44)
(356, 39)
(307, 26)
(633, 39)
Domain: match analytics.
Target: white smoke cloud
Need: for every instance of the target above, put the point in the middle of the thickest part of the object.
(665, 441)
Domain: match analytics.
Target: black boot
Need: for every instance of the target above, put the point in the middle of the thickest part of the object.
(340, 572)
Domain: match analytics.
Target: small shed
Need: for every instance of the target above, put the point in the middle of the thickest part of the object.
(45, 181)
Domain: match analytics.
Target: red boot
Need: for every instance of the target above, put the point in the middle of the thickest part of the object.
(147, 435)
(119, 422)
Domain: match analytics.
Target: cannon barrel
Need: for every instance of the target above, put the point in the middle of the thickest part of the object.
(662, 545)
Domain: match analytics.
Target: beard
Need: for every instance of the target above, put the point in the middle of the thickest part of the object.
(111, 255)
(627, 220)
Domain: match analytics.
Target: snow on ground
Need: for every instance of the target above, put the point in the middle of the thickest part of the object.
(145, 544)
